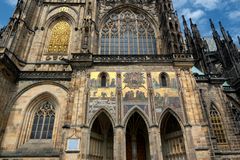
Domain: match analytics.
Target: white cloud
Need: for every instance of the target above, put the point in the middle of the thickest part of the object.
(234, 15)
(11, 2)
(195, 15)
(208, 4)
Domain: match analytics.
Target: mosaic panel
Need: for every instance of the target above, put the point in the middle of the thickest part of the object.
(134, 91)
(165, 96)
(102, 97)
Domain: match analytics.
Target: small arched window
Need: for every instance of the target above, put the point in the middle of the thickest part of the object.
(127, 33)
(60, 36)
(103, 79)
(163, 78)
(217, 126)
(43, 122)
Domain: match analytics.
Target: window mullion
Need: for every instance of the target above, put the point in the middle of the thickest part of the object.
(36, 126)
(43, 122)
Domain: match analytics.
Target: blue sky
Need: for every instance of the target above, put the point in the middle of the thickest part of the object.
(227, 11)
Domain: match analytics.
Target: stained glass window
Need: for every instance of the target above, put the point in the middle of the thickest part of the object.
(60, 36)
(127, 33)
(43, 122)
(217, 126)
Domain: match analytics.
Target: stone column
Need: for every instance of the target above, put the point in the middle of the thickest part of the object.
(195, 134)
(85, 143)
(155, 143)
(119, 152)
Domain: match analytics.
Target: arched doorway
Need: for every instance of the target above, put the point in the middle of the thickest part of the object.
(173, 145)
(137, 143)
(101, 140)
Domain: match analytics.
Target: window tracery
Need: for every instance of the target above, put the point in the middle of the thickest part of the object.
(42, 127)
(217, 126)
(60, 37)
(127, 33)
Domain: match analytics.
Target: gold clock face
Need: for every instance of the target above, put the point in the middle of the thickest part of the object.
(63, 9)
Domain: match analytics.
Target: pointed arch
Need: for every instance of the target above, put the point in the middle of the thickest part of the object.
(14, 99)
(137, 138)
(63, 5)
(172, 112)
(127, 32)
(39, 119)
(101, 111)
(172, 136)
(45, 96)
(55, 16)
(52, 21)
(217, 125)
(140, 112)
(101, 137)
(133, 8)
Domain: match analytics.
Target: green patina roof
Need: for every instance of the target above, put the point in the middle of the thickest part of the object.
(195, 70)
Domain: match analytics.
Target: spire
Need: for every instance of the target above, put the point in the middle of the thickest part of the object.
(212, 25)
(200, 47)
(219, 44)
(188, 36)
(215, 34)
(184, 21)
(224, 33)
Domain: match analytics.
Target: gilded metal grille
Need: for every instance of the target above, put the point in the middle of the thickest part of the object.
(60, 38)
(217, 126)
(174, 146)
(43, 122)
(127, 33)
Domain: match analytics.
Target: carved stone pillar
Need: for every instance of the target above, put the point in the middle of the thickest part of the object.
(155, 143)
(119, 144)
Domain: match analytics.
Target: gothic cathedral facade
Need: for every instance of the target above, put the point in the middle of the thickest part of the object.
(115, 80)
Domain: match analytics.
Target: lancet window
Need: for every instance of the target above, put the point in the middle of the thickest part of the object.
(163, 78)
(103, 80)
(43, 122)
(127, 33)
(60, 36)
(217, 126)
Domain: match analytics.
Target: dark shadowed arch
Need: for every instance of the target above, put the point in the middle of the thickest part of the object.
(101, 138)
(173, 144)
(137, 139)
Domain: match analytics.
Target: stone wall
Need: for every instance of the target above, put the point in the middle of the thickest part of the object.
(7, 90)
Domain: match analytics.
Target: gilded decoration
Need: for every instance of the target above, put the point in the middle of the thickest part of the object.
(102, 97)
(60, 37)
(134, 91)
(165, 96)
